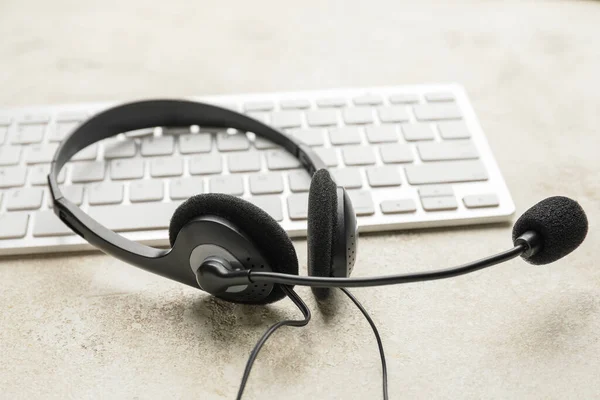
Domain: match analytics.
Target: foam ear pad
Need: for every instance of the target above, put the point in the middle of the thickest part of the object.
(267, 235)
(322, 220)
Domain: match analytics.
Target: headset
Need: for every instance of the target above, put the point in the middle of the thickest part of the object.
(234, 250)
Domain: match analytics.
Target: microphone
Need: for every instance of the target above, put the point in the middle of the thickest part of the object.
(560, 225)
(546, 232)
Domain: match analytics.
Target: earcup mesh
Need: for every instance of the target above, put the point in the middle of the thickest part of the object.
(322, 220)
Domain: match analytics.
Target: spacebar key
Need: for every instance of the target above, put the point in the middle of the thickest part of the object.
(446, 172)
(139, 217)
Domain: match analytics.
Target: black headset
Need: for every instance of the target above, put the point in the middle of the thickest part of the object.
(236, 251)
(218, 230)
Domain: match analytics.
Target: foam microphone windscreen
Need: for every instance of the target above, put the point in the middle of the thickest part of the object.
(561, 225)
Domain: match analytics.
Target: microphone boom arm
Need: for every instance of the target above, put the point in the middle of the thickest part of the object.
(315, 281)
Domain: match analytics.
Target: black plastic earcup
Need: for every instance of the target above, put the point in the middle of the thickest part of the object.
(268, 236)
(322, 221)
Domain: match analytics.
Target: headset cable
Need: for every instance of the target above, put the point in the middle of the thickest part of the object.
(297, 323)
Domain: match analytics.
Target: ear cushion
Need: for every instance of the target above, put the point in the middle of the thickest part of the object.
(267, 235)
(322, 220)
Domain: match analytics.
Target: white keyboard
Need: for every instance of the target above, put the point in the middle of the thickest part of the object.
(410, 157)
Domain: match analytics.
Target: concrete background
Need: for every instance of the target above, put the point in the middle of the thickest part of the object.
(87, 326)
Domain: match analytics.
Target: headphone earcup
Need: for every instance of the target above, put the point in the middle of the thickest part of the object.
(266, 234)
(322, 225)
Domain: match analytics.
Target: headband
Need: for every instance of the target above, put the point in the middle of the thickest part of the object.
(150, 114)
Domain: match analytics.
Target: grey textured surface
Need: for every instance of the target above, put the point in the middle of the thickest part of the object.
(88, 326)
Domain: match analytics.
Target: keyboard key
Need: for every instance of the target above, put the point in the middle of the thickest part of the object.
(437, 112)
(228, 184)
(12, 176)
(362, 202)
(13, 225)
(105, 193)
(328, 155)
(27, 134)
(62, 130)
(244, 162)
(88, 154)
(228, 106)
(298, 206)
(46, 223)
(197, 143)
(260, 116)
(454, 130)
(122, 218)
(439, 203)
(114, 148)
(442, 151)
(88, 171)
(263, 144)
(347, 177)
(446, 172)
(184, 188)
(404, 98)
(127, 169)
(311, 137)
(436, 191)
(358, 155)
(331, 102)
(299, 181)
(266, 183)
(358, 115)
(281, 159)
(141, 133)
(206, 164)
(259, 106)
(396, 153)
(38, 174)
(393, 114)
(286, 119)
(398, 206)
(414, 132)
(322, 117)
(74, 193)
(235, 142)
(40, 153)
(384, 176)
(271, 204)
(146, 190)
(382, 134)
(339, 136)
(481, 200)
(35, 119)
(158, 146)
(3, 134)
(368, 100)
(440, 96)
(177, 131)
(166, 166)
(24, 199)
(10, 155)
(294, 104)
(5, 121)
(72, 116)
